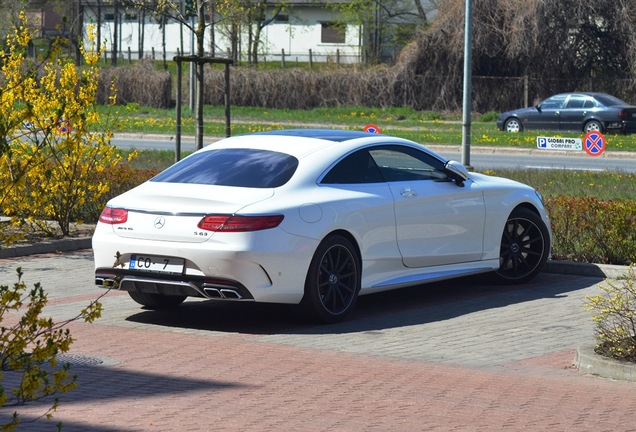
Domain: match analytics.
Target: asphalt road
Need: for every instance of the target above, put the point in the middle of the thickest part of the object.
(480, 158)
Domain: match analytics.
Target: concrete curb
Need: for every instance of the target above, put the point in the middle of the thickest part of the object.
(586, 269)
(587, 361)
(49, 246)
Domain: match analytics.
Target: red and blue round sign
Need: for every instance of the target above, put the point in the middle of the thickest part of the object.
(594, 143)
(63, 125)
(372, 129)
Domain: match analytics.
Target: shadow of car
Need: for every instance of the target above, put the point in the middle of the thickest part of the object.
(575, 112)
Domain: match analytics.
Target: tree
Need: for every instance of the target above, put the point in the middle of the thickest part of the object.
(385, 23)
(559, 46)
(53, 141)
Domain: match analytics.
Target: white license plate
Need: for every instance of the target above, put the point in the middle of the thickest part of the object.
(155, 263)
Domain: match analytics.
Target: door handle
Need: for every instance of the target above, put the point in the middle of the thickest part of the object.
(406, 193)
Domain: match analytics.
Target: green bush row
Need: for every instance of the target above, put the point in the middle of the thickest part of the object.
(588, 229)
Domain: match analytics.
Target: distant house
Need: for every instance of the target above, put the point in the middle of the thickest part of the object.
(306, 27)
(304, 30)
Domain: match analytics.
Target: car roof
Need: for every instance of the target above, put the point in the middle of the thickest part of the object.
(323, 134)
(302, 142)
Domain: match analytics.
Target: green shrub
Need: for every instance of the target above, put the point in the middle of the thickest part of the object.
(490, 116)
(589, 229)
(614, 314)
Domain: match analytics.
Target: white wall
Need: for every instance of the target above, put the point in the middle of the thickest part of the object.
(296, 37)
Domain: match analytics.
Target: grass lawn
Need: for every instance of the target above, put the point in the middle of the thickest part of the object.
(422, 127)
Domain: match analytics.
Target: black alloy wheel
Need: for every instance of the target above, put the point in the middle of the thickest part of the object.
(333, 280)
(525, 246)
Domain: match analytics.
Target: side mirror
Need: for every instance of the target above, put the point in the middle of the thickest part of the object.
(456, 171)
(538, 107)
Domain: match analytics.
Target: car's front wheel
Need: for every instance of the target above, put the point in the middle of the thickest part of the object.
(525, 246)
(513, 125)
(593, 126)
(156, 301)
(333, 280)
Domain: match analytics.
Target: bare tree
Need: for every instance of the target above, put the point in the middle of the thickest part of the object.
(561, 46)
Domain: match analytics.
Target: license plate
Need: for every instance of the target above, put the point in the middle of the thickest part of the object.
(155, 263)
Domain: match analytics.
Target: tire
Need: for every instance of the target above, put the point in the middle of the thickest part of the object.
(513, 125)
(333, 281)
(525, 246)
(593, 125)
(156, 301)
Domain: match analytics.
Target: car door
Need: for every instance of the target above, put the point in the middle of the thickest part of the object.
(437, 221)
(573, 113)
(547, 115)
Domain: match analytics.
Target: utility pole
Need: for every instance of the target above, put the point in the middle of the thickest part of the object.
(467, 102)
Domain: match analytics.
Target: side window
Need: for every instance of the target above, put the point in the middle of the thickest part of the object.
(554, 102)
(589, 103)
(576, 101)
(400, 163)
(358, 167)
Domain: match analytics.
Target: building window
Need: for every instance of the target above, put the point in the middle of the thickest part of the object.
(130, 17)
(332, 33)
(109, 17)
(280, 18)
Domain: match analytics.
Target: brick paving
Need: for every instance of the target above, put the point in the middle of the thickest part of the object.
(459, 355)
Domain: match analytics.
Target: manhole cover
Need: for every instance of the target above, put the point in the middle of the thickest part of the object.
(80, 360)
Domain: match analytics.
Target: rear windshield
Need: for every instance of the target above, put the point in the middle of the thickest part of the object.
(232, 167)
(609, 100)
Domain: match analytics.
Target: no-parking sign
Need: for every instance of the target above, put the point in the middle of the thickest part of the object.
(594, 143)
(372, 128)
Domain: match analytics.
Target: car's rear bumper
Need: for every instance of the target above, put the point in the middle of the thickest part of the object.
(272, 268)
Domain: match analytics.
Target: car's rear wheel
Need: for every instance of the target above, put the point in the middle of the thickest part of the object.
(513, 125)
(593, 126)
(156, 301)
(333, 280)
(525, 246)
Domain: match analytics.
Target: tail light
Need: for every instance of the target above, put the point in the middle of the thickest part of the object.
(113, 216)
(623, 115)
(229, 223)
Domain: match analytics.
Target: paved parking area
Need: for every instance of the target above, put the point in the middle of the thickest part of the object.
(459, 355)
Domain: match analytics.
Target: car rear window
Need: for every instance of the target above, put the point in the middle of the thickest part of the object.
(609, 100)
(232, 167)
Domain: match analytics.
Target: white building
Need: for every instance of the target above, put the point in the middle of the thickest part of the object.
(307, 26)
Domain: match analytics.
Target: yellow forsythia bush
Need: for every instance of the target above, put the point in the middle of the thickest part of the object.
(54, 145)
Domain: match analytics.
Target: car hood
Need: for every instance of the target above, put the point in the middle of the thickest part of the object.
(171, 211)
